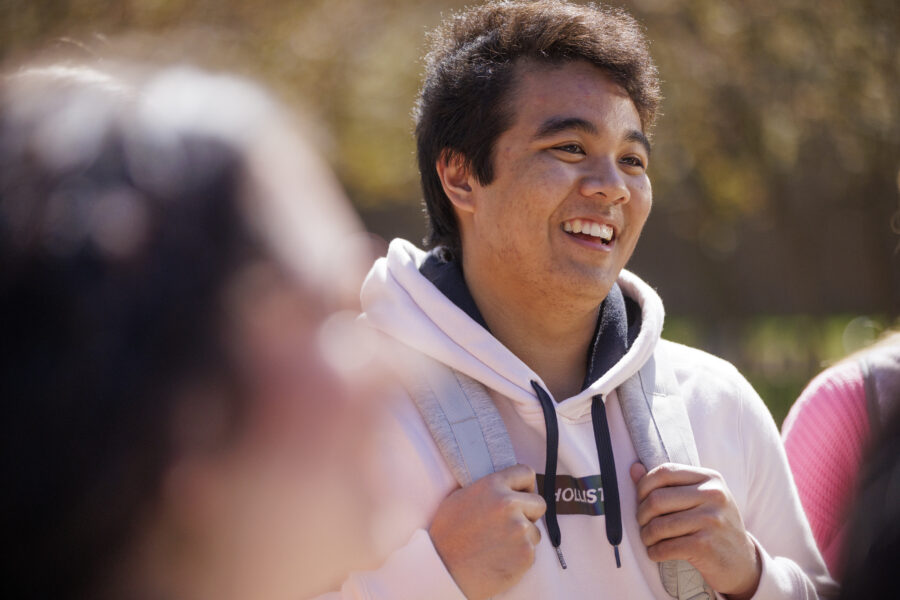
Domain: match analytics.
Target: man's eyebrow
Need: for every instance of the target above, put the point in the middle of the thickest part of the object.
(555, 125)
(639, 137)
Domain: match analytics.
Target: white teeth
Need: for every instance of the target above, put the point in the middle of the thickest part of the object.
(590, 228)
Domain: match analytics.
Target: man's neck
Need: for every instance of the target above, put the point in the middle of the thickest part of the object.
(550, 335)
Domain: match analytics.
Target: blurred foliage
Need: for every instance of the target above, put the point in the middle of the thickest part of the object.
(776, 163)
(780, 354)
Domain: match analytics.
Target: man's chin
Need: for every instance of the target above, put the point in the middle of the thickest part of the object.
(585, 281)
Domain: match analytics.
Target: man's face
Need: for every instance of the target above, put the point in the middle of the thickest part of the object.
(570, 193)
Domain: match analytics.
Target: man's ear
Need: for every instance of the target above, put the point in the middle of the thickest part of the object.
(456, 180)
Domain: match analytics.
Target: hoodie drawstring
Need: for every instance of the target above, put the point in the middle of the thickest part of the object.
(611, 507)
(549, 491)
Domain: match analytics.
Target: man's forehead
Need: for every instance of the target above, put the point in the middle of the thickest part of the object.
(529, 72)
(548, 96)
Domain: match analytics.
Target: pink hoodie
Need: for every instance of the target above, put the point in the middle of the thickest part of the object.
(825, 435)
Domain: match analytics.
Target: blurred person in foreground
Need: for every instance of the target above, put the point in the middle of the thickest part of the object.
(178, 373)
(828, 433)
(533, 127)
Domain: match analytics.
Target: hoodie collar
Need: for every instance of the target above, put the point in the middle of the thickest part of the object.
(618, 322)
(446, 274)
(402, 303)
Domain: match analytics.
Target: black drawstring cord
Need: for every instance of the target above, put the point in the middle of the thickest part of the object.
(611, 506)
(549, 491)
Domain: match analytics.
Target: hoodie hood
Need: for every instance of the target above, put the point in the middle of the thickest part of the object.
(402, 303)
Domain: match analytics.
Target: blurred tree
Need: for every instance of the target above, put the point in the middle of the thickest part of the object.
(777, 161)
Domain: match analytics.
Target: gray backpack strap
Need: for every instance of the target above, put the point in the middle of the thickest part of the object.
(661, 432)
(462, 420)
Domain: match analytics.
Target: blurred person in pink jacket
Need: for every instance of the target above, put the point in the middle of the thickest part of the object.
(179, 373)
(828, 432)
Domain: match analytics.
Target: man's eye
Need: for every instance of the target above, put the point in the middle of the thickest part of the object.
(633, 161)
(570, 148)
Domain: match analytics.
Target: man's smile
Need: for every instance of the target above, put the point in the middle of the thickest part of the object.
(592, 232)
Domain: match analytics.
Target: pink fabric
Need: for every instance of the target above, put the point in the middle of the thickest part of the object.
(824, 436)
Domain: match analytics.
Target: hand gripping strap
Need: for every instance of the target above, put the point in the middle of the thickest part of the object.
(462, 420)
(661, 432)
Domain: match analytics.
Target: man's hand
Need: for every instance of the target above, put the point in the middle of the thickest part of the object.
(688, 513)
(485, 533)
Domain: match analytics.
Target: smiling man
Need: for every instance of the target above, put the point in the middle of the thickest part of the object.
(532, 127)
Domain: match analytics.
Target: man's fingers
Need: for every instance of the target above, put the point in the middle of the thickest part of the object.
(532, 505)
(675, 525)
(679, 548)
(665, 500)
(669, 474)
(520, 478)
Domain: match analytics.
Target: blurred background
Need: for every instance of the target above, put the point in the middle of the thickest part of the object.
(775, 236)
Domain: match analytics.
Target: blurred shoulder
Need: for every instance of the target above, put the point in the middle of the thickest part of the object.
(833, 396)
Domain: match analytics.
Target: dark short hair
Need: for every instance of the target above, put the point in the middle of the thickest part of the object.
(469, 69)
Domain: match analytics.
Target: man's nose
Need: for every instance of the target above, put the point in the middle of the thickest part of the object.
(602, 178)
